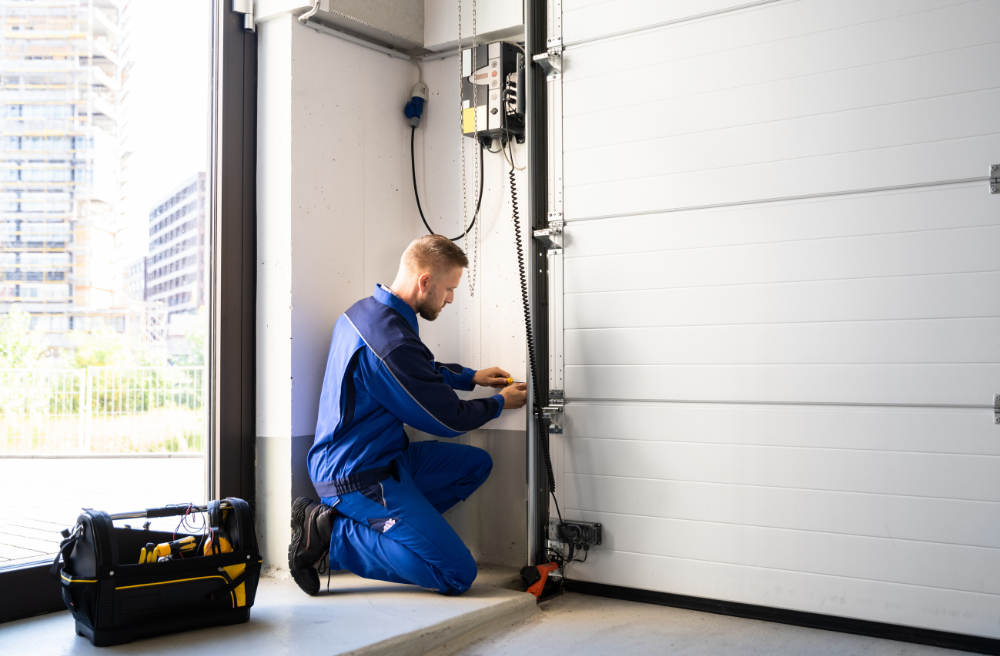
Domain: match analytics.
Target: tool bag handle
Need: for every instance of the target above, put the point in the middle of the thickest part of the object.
(65, 548)
(165, 511)
(215, 521)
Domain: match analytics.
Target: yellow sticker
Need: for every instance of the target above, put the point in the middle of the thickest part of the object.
(468, 120)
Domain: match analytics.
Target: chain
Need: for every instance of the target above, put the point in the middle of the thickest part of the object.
(475, 150)
(461, 119)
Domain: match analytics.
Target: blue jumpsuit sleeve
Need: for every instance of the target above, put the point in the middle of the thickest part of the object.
(407, 384)
(456, 376)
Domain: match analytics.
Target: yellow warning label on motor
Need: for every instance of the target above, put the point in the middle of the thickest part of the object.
(468, 120)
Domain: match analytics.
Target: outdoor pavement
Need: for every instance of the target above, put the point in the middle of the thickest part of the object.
(40, 496)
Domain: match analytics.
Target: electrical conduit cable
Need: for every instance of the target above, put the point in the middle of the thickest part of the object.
(416, 194)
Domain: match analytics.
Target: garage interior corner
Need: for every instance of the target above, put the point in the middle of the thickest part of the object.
(741, 252)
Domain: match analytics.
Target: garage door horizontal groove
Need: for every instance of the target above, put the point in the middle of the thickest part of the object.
(759, 201)
(571, 400)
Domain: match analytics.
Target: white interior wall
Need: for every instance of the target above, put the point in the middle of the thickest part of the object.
(333, 218)
(335, 211)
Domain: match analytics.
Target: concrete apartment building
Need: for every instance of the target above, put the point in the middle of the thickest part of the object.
(175, 266)
(62, 66)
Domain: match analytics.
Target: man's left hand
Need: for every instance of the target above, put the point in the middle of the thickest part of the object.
(492, 377)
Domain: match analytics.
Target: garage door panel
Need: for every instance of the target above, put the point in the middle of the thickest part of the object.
(933, 608)
(943, 521)
(780, 294)
(928, 430)
(928, 475)
(797, 97)
(914, 384)
(856, 342)
(967, 431)
(962, 250)
(813, 137)
(923, 564)
(786, 40)
(871, 299)
(585, 19)
(877, 213)
(867, 170)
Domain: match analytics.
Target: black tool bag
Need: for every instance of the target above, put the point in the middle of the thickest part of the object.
(114, 599)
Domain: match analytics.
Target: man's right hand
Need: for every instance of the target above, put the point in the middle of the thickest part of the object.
(514, 396)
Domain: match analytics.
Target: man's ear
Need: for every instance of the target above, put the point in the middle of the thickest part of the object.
(424, 282)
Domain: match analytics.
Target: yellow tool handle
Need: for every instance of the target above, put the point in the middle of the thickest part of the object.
(146, 553)
(151, 553)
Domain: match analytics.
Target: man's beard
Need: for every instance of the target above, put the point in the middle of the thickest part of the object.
(427, 312)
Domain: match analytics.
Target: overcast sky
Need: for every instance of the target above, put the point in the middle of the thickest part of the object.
(169, 105)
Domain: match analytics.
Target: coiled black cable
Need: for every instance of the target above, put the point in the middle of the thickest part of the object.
(532, 361)
(416, 194)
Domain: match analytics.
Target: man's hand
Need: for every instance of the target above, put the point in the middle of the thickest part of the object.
(514, 396)
(492, 377)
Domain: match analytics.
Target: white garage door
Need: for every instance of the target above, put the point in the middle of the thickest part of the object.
(781, 303)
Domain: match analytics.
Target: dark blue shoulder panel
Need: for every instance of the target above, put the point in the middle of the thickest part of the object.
(382, 327)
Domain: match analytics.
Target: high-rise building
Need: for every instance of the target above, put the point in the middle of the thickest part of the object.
(62, 68)
(175, 266)
(135, 280)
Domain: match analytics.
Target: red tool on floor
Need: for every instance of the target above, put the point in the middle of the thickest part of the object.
(537, 576)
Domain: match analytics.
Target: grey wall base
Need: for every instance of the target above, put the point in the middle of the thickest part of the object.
(301, 484)
(492, 522)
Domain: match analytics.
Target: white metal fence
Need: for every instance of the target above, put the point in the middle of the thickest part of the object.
(102, 410)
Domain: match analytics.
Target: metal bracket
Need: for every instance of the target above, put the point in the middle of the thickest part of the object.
(554, 411)
(245, 7)
(996, 408)
(995, 181)
(551, 59)
(552, 236)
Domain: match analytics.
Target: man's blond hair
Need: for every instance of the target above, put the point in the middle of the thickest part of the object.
(433, 253)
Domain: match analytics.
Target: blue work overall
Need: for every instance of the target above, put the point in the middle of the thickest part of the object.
(389, 493)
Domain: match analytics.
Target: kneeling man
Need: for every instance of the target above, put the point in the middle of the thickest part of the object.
(382, 497)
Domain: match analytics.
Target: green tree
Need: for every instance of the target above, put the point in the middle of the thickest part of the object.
(103, 347)
(20, 347)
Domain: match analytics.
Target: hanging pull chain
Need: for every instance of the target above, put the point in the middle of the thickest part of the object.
(461, 123)
(475, 130)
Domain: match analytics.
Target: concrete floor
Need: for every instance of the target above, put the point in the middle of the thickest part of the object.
(368, 618)
(359, 617)
(584, 625)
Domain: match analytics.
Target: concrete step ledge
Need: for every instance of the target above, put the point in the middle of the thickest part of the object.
(448, 636)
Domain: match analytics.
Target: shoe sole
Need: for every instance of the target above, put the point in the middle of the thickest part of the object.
(302, 578)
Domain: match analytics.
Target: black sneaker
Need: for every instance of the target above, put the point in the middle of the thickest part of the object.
(312, 524)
